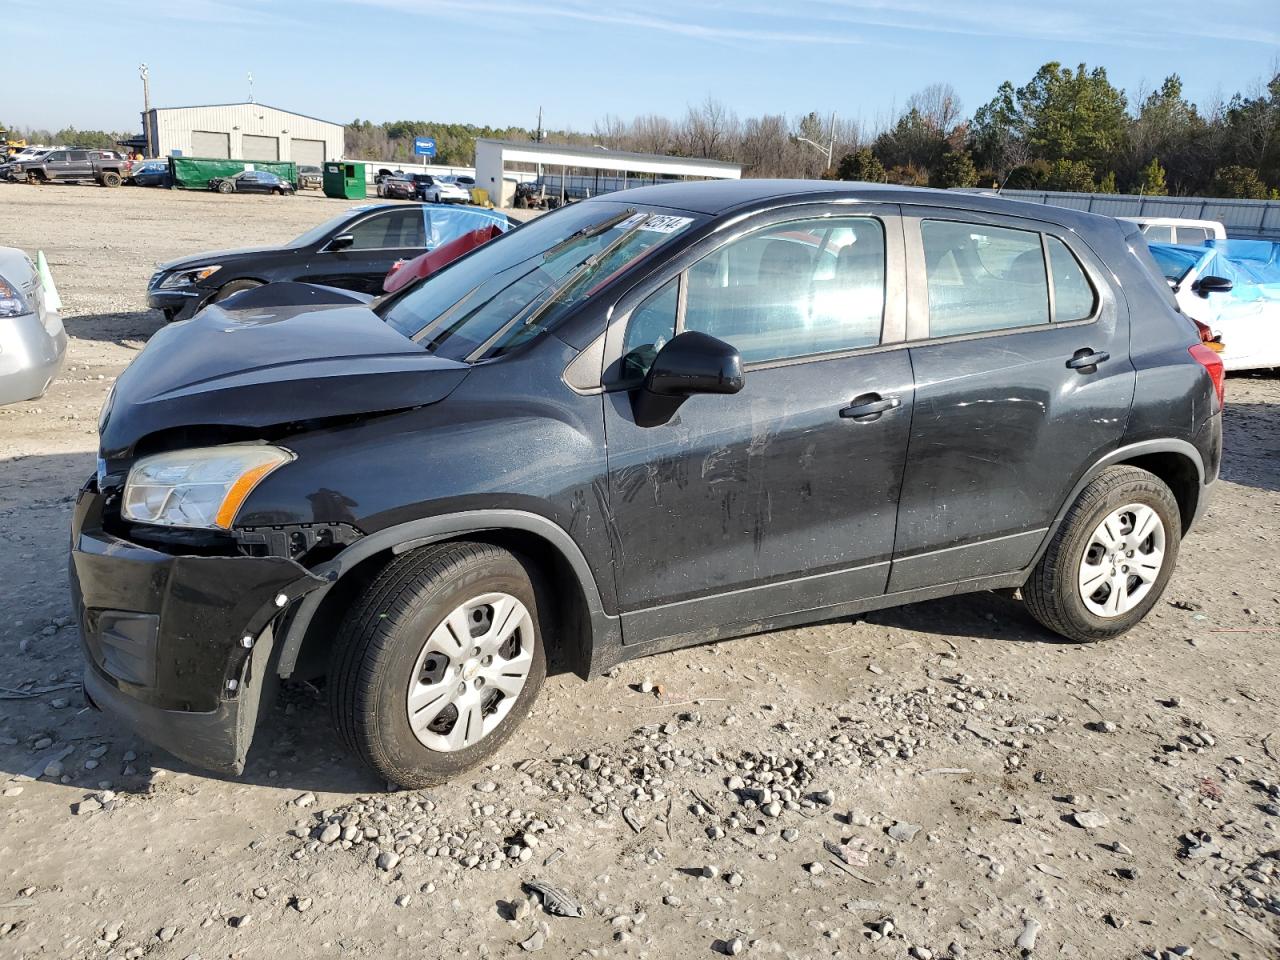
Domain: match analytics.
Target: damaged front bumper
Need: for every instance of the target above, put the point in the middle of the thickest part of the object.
(178, 648)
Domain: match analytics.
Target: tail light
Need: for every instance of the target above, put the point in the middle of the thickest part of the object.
(1207, 336)
(1210, 360)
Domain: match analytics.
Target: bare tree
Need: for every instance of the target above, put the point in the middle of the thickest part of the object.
(651, 133)
(711, 129)
(611, 131)
(938, 105)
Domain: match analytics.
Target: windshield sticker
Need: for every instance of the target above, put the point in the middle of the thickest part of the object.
(631, 221)
(666, 224)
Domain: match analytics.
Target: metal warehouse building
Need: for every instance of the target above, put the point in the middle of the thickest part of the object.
(242, 131)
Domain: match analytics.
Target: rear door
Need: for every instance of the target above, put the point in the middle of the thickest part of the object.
(1023, 379)
(378, 241)
(780, 498)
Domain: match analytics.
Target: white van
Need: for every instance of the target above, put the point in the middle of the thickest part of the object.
(1178, 230)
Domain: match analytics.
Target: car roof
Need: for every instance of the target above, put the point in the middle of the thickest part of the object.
(720, 197)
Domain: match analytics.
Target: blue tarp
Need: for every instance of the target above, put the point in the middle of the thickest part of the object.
(1252, 266)
(448, 221)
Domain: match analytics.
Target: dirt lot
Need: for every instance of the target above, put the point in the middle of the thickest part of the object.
(940, 780)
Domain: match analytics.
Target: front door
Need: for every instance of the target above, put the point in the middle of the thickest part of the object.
(1023, 379)
(781, 498)
(378, 241)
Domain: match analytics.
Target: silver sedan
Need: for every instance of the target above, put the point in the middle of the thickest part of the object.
(32, 340)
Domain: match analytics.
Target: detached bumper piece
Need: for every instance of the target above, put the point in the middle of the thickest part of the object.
(177, 647)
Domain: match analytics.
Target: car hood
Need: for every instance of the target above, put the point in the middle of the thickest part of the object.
(217, 256)
(263, 367)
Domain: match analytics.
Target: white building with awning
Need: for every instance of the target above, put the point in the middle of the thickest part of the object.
(612, 167)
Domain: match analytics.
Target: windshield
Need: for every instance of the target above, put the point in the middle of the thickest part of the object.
(510, 290)
(1174, 264)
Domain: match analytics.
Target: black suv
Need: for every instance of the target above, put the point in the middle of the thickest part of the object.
(658, 418)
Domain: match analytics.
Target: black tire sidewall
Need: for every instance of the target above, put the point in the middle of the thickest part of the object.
(231, 288)
(386, 677)
(1151, 493)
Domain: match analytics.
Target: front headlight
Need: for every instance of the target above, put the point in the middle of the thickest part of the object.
(202, 488)
(187, 278)
(12, 302)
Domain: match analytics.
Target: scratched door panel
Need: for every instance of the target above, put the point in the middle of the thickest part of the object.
(760, 503)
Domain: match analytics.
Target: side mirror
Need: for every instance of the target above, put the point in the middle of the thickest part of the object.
(340, 242)
(690, 363)
(1207, 285)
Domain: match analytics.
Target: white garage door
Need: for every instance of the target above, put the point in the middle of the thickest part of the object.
(216, 146)
(308, 152)
(259, 148)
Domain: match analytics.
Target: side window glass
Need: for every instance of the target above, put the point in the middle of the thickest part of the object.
(793, 290)
(652, 324)
(396, 228)
(1073, 295)
(1159, 233)
(982, 277)
(1195, 236)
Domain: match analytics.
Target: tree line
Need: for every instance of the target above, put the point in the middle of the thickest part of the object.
(1064, 129)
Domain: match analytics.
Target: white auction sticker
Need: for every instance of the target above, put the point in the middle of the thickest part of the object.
(666, 224)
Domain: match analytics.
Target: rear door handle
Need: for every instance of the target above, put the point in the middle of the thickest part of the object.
(1086, 359)
(869, 406)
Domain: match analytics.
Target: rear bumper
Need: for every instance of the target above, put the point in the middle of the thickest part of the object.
(177, 647)
(31, 354)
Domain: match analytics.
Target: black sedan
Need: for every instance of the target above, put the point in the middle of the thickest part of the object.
(252, 181)
(354, 251)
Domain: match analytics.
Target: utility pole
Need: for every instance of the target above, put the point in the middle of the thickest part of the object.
(146, 110)
(251, 100)
(830, 147)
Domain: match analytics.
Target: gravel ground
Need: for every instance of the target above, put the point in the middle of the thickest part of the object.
(940, 780)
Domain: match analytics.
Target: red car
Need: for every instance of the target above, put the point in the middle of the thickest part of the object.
(407, 271)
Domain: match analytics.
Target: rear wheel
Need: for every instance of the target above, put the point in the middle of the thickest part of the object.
(111, 179)
(1110, 560)
(437, 662)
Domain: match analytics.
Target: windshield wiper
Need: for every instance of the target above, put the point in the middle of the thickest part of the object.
(530, 314)
(591, 230)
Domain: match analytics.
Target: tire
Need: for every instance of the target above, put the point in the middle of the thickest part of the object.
(111, 179)
(232, 288)
(387, 646)
(225, 187)
(1077, 559)
(34, 177)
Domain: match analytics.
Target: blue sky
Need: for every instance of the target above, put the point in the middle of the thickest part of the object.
(496, 61)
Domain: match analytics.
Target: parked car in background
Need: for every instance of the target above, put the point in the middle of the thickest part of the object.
(436, 190)
(33, 343)
(150, 173)
(105, 167)
(1178, 230)
(353, 251)
(416, 499)
(1233, 288)
(310, 177)
(252, 181)
(398, 188)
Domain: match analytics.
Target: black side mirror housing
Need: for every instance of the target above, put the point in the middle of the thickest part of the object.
(689, 363)
(1207, 285)
(340, 242)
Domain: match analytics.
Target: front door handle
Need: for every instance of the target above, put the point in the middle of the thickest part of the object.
(1086, 359)
(868, 407)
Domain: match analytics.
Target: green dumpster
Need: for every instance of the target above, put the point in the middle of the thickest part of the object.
(344, 181)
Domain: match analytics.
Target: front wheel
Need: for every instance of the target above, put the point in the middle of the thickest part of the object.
(437, 662)
(1111, 558)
